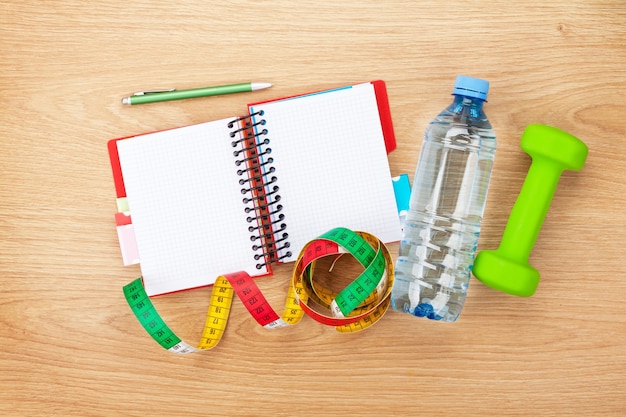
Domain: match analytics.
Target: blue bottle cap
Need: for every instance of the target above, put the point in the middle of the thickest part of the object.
(471, 87)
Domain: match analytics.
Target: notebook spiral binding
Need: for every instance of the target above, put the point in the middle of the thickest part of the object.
(259, 188)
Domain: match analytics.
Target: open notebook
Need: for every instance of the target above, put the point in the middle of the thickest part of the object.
(244, 192)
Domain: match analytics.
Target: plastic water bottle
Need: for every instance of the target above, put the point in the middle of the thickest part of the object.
(447, 203)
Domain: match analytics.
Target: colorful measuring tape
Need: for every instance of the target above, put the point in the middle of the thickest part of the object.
(359, 305)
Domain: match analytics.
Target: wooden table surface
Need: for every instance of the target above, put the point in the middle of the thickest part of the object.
(69, 344)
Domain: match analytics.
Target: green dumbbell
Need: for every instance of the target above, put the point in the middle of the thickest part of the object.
(507, 268)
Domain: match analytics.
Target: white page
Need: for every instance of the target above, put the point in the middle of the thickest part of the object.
(186, 206)
(331, 165)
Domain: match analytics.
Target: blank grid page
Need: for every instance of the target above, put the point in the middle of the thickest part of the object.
(331, 165)
(186, 206)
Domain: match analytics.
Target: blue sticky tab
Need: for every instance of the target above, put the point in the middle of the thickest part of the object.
(402, 190)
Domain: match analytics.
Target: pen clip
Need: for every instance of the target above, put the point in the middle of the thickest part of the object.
(143, 93)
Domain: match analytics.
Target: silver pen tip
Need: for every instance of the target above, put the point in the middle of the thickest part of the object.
(126, 100)
(259, 86)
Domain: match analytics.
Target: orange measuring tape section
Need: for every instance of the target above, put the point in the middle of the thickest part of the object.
(359, 305)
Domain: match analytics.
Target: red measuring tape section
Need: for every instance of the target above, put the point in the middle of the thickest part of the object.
(359, 305)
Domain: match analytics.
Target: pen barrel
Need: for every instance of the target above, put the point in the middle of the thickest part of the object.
(193, 93)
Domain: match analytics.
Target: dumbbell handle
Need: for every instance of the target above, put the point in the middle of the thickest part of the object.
(530, 209)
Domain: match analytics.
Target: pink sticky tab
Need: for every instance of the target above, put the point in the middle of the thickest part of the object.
(128, 244)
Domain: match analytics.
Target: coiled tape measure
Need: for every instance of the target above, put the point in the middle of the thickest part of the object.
(359, 305)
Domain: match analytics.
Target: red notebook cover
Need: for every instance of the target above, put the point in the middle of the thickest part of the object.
(385, 120)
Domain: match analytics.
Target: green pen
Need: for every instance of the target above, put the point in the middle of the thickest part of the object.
(153, 96)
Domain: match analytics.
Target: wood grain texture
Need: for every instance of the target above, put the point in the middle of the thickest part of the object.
(69, 346)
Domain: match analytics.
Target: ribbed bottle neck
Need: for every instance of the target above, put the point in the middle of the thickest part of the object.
(464, 107)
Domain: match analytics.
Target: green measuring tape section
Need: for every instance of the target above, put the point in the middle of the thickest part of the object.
(372, 260)
(148, 316)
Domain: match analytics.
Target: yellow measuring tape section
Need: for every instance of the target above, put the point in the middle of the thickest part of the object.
(359, 305)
